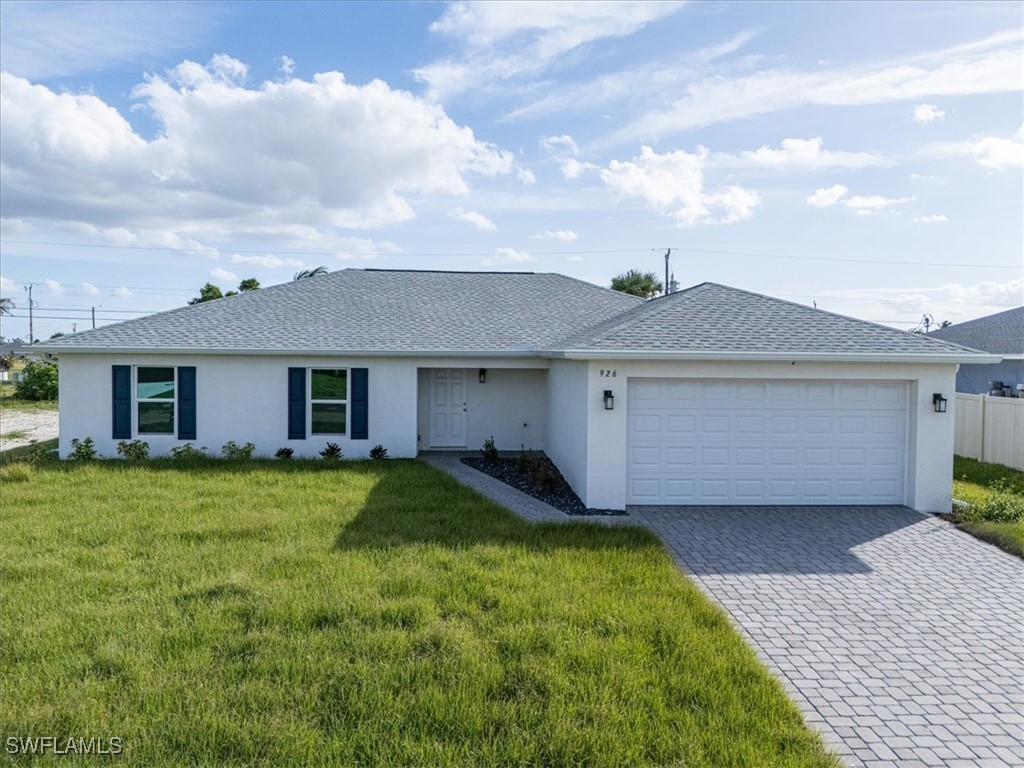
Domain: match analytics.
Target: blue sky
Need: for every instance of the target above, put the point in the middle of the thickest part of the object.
(864, 156)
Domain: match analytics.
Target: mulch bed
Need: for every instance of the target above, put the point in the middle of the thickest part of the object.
(561, 496)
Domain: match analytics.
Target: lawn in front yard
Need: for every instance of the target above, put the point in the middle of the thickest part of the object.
(371, 613)
(976, 483)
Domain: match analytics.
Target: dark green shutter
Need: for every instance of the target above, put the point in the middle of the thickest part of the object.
(122, 402)
(296, 403)
(360, 411)
(186, 402)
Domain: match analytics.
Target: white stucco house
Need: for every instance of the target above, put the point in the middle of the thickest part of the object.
(711, 395)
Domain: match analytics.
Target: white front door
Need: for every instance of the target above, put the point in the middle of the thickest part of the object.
(448, 408)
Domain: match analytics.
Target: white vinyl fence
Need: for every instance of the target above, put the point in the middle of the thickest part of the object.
(990, 429)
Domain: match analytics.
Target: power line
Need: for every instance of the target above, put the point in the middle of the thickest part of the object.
(491, 253)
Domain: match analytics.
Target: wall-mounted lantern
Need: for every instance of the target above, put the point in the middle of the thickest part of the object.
(483, 375)
(939, 403)
(609, 400)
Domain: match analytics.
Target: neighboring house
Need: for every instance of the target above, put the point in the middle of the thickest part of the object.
(1000, 334)
(711, 395)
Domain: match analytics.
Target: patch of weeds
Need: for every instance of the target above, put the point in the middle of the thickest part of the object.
(17, 434)
(18, 472)
(235, 452)
(82, 450)
(188, 452)
(133, 450)
(1002, 505)
(284, 453)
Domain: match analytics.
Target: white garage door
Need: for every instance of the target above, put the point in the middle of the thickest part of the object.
(766, 442)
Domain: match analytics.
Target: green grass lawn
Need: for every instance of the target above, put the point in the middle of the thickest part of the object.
(298, 613)
(975, 482)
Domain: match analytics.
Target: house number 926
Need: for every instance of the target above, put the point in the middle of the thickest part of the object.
(608, 373)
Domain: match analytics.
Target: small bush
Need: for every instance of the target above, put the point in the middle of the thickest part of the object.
(378, 452)
(490, 450)
(331, 453)
(19, 472)
(235, 452)
(41, 454)
(524, 461)
(38, 381)
(188, 452)
(133, 450)
(544, 477)
(82, 450)
(284, 453)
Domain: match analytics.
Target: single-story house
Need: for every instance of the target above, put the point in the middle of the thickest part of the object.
(711, 395)
(999, 334)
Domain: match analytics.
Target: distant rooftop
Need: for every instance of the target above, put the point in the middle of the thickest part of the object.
(1000, 334)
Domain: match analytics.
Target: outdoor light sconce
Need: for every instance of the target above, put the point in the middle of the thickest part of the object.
(483, 375)
(609, 400)
(939, 403)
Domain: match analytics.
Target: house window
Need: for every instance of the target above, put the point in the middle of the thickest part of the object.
(154, 397)
(328, 400)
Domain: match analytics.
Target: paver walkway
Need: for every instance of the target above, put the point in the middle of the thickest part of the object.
(900, 637)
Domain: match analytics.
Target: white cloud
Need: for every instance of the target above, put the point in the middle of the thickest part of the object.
(231, 160)
(478, 220)
(824, 197)
(8, 286)
(573, 168)
(673, 184)
(558, 144)
(565, 235)
(526, 176)
(90, 290)
(123, 292)
(928, 113)
(504, 40)
(866, 204)
(266, 261)
(287, 66)
(993, 152)
(933, 218)
(800, 154)
(504, 256)
(991, 65)
(988, 293)
(223, 274)
(53, 287)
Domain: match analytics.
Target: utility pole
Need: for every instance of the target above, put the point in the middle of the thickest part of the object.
(31, 335)
(94, 318)
(668, 252)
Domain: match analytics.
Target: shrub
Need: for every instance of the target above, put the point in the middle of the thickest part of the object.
(489, 451)
(41, 454)
(378, 452)
(524, 461)
(331, 453)
(188, 452)
(82, 450)
(235, 452)
(284, 453)
(134, 450)
(38, 381)
(544, 476)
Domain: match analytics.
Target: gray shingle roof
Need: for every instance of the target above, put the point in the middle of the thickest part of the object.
(715, 318)
(374, 311)
(1000, 334)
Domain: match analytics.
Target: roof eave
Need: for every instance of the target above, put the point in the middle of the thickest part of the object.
(810, 357)
(56, 351)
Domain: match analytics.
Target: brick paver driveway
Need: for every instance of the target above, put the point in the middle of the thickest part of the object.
(899, 636)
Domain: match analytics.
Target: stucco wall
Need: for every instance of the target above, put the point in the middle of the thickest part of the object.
(930, 435)
(567, 421)
(511, 405)
(242, 399)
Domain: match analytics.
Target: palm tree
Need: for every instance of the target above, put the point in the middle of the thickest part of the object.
(6, 305)
(315, 272)
(636, 283)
